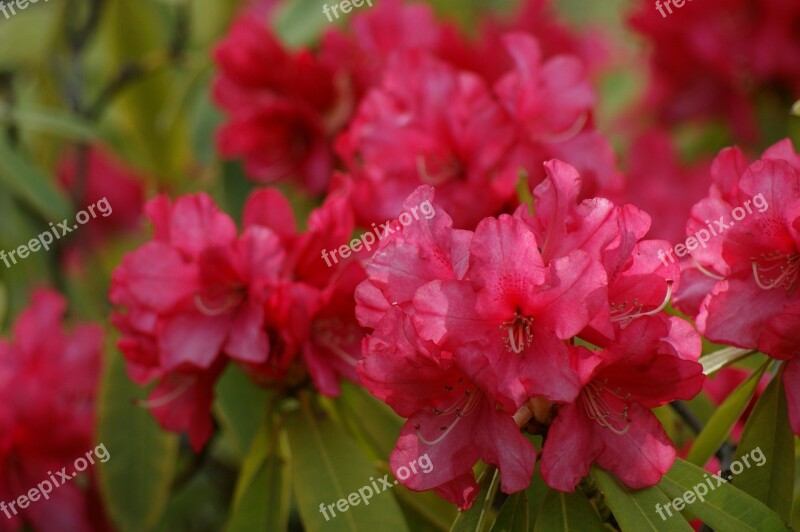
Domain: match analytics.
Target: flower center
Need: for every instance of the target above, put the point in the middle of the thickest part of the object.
(608, 407)
(519, 332)
(773, 270)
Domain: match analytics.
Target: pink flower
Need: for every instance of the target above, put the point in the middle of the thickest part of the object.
(496, 316)
(450, 416)
(428, 124)
(282, 106)
(652, 362)
(313, 312)
(753, 260)
(610, 419)
(190, 295)
(48, 384)
(509, 322)
(198, 297)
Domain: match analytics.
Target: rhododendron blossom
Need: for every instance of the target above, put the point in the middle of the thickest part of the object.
(501, 309)
(426, 124)
(48, 383)
(754, 263)
(198, 296)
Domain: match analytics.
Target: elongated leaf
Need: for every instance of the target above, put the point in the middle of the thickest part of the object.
(377, 427)
(721, 423)
(637, 510)
(261, 501)
(476, 519)
(768, 432)
(425, 509)
(513, 516)
(136, 479)
(51, 121)
(300, 22)
(723, 507)
(329, 469)
(567, 512)
(374, 422)
(241, 407)
(19, 177)
(717, 360)
(536, 492)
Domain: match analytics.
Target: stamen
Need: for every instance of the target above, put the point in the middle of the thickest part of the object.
(460, 413)
(520, 333)
(338, 351)
(788, 264)
(636, 310)
(704, 271)
(568, 133)
(231, 301)
(598, 409)
(166, 398)
(446, 175)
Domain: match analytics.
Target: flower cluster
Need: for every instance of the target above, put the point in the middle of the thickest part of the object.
(48, 384)
(548, 320)
(404, 100)
(198, 296)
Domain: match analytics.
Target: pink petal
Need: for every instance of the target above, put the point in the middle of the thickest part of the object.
(192, 339)
(570, 449)
(642, 455)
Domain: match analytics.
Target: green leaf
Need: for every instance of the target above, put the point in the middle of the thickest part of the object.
(536, 492)
(327, 467)
(567, 512)
(300, 22)
(136, 479)
(241, 407)
(513, 516)
(723, 507)
(261, 501)
(719, 426)
(636, 510)
(721, 358)
(52, 121)
(183, 512)
(31, 185)
(768, 431)
(373, 421)
(476, 519)
(377, 427)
